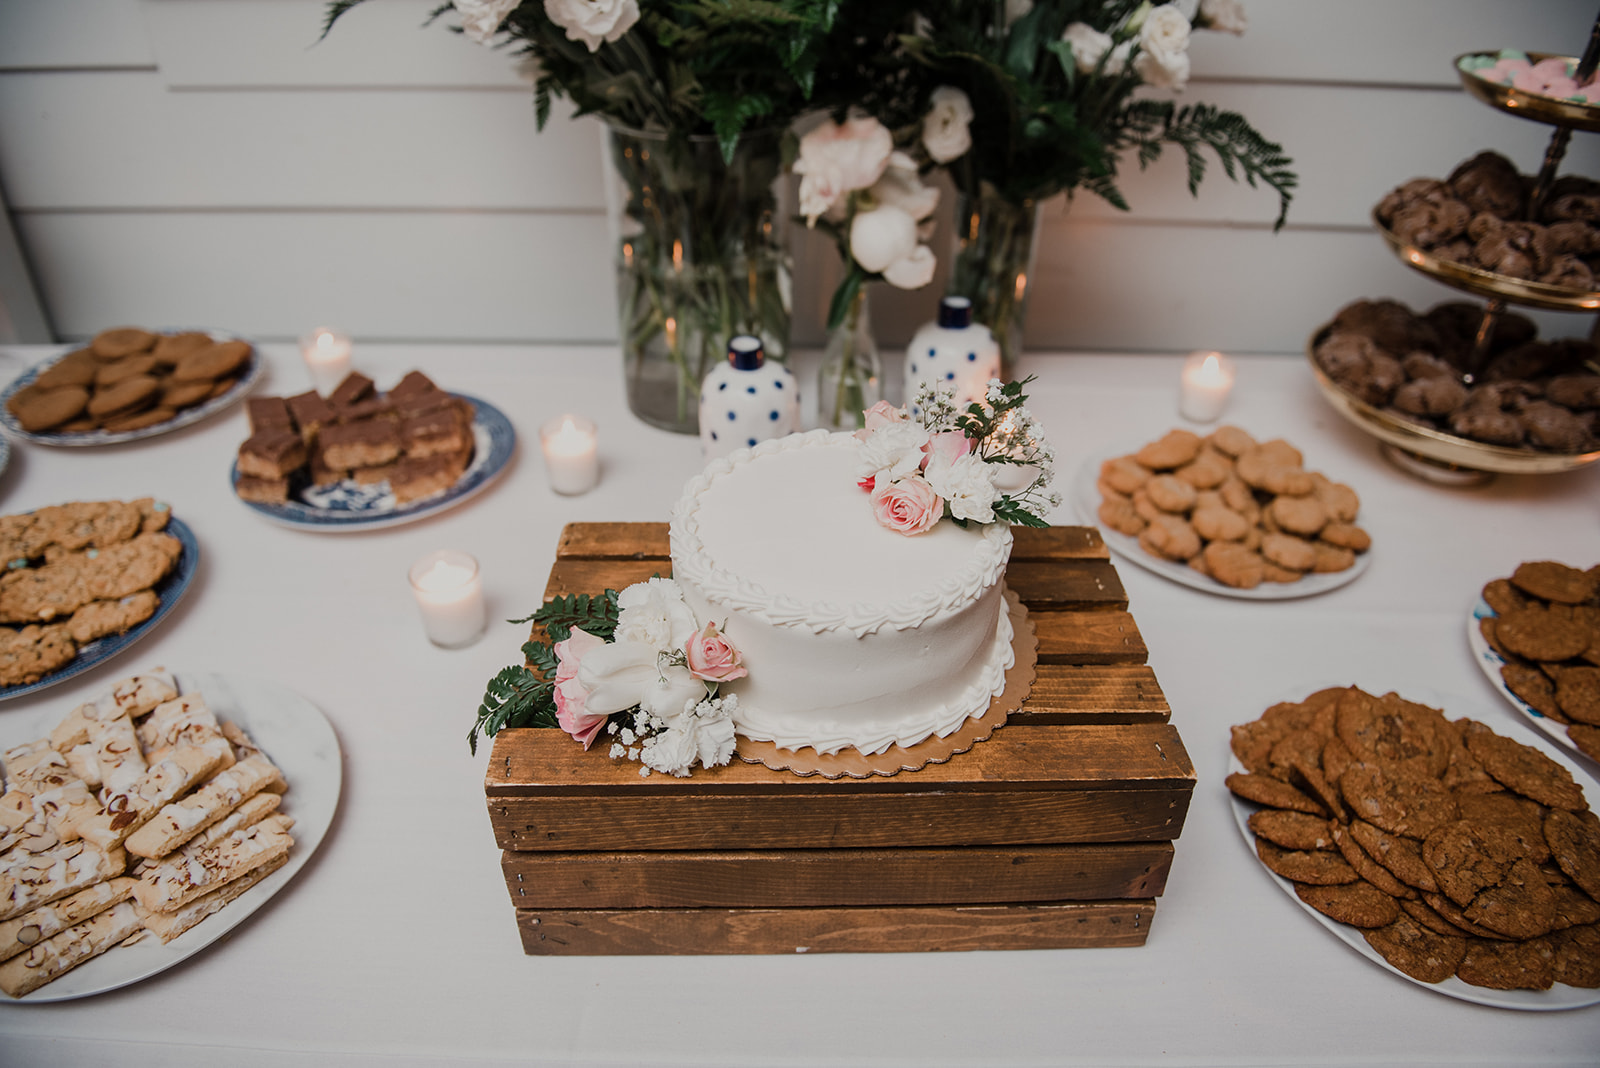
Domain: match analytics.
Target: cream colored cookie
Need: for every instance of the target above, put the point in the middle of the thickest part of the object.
(1170, 493)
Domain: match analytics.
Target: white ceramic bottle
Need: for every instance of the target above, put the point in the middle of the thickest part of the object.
(746, 400)
(953, 351)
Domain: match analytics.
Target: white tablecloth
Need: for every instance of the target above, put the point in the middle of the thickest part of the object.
(397, 942)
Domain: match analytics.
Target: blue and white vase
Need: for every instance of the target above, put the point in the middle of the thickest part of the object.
(953, 351)
(746, 400)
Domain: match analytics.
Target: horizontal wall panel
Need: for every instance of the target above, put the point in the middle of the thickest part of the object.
(376, 275)
(380, 43)
(122, 140)
(275, 43)
(512, 277)
(58, 34)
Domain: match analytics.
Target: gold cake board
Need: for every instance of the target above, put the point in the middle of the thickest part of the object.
(1056, 831)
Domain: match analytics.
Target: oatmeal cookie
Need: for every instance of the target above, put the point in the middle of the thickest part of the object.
(1423, 954)
(1526, 770)
(1578, 694)
(1574, 839)
(1287, 829)
(1318, 867)
(1401, 856)
(1357, 903)
(1265, 790)
(1508, 965)
(1577, 952)
(100, 618)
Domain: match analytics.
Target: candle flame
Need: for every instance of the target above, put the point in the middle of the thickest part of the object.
(1022, 286)
(677, 255)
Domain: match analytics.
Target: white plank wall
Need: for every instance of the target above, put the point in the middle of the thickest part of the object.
(207, 162)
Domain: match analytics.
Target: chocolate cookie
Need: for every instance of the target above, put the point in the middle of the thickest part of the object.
(1423, 954)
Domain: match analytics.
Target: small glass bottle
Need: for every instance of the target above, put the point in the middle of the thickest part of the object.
(746, 400)
(851, 378)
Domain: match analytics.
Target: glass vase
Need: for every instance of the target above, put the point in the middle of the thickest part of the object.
(701, 256)
(851, 377)
(996, 246)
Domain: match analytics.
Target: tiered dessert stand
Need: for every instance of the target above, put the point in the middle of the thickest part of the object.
(1433, 454)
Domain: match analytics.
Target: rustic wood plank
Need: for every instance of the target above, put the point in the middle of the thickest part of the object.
(1056, 585)
(570, 576)
(1098, 693)
(811, 878)
(1105, 636)
(909, 929)
(1058, 543)
(613, 541)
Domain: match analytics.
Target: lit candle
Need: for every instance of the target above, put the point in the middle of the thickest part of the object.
(327, 355)
(1207, 381)
(571, 453)
(450, 596)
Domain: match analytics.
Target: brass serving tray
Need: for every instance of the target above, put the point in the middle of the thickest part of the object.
(1486, 283)
(1538, 108)
(1436, 445)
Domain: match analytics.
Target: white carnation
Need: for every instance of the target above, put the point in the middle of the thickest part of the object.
(892, 451)
(594, 22)
(653, 613)
(673, 751)
(1164, 30)
(481, 19)
(967, 485)
(946, 129)
(1088, 44)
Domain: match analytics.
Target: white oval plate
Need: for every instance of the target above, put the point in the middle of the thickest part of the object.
(1560, 996)
(1086, 499)
(296, 736)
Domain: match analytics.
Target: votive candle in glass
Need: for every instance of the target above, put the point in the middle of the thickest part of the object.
(571, 453)
(327, 355)
(450, 596)
(1207, 381)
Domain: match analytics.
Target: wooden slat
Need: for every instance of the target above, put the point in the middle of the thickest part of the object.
(613, 541)
(1058, 543)
(908, 929)
(1100, 637)
(1047, 586)
(824, 877)
(594, 576)
(1108, 693)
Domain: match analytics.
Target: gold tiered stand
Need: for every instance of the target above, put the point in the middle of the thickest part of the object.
(1434, 454)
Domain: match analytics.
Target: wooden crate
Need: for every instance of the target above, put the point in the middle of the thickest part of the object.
(1056, 832)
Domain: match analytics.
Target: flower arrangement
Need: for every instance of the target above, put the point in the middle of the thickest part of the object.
(634, 664)
(985, 463)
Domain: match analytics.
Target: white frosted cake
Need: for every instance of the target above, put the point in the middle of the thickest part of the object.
(855, 636)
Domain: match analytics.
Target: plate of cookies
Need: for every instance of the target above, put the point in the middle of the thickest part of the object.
(360, 459)
(129, 383)
(83, 582)
(1462, 858)
(144, 825)
(1536, 636)
(1226, 514)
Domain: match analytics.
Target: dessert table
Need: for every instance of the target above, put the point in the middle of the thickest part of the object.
(396, 942)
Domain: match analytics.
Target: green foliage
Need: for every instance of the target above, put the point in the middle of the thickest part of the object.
(597, 615)
(516, 697)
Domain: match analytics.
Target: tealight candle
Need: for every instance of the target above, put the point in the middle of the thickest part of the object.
(450, 596)
(1207, 381)
(327, 355)
(571, 454)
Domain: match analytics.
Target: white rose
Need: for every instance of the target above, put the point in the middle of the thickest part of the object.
(881, 236)
(902, 187)
(1088, 44)
(653, 613)
(1163, 70)
(891, 452)
(839, 157)
(481, 19)
(967, 485)
(945, 129)
(594, 22)
(1164, 30)
(914, 271)
(1225, 15)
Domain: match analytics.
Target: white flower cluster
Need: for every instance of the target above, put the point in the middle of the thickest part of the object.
(702, 734)
(1154, 38)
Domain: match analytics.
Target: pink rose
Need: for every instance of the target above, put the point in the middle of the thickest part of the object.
(712, 657)
(570, 694)
(879, 416)
(908, 506)
(951, 444)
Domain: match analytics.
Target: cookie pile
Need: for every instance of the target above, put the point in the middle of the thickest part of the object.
(416, 437)
(1478, 217)
(129, 379)
(75, 573)
(1546, 628)
(1532, 394)
(1239, 511)
(141, 812)
(1455, 850)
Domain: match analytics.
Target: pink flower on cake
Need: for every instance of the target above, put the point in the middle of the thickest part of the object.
(908, 506)
(949, 444)
(571, 695)
(879, 416)
(712, 657)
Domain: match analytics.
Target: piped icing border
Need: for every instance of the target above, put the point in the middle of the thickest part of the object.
(690, 562)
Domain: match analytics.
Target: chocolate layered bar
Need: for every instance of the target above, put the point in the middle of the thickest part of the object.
(351, 445)
(271, 453)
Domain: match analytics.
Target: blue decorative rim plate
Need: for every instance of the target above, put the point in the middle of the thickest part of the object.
(186, 417)
(348, 506)
(170, 589)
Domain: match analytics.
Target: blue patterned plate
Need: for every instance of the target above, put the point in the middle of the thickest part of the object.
(245, 383)
(349, 506)
(170, 589)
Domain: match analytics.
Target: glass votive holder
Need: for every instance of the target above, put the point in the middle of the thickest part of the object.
(326, 352)
(1205, 385)
(571, 446)
(449, 595)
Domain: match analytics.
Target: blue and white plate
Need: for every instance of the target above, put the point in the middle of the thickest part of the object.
(349, 506)
(170, 589)
(187, 416)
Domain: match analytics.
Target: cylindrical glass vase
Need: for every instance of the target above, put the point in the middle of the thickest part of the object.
(996, 247)
(851, 377)
(702, 255)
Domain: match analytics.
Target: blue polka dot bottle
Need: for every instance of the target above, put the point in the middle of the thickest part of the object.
(953, 351)
(746, 400)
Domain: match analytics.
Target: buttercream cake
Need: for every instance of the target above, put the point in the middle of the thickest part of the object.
(855, 636)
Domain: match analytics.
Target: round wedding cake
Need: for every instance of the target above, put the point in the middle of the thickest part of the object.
(854, 635)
